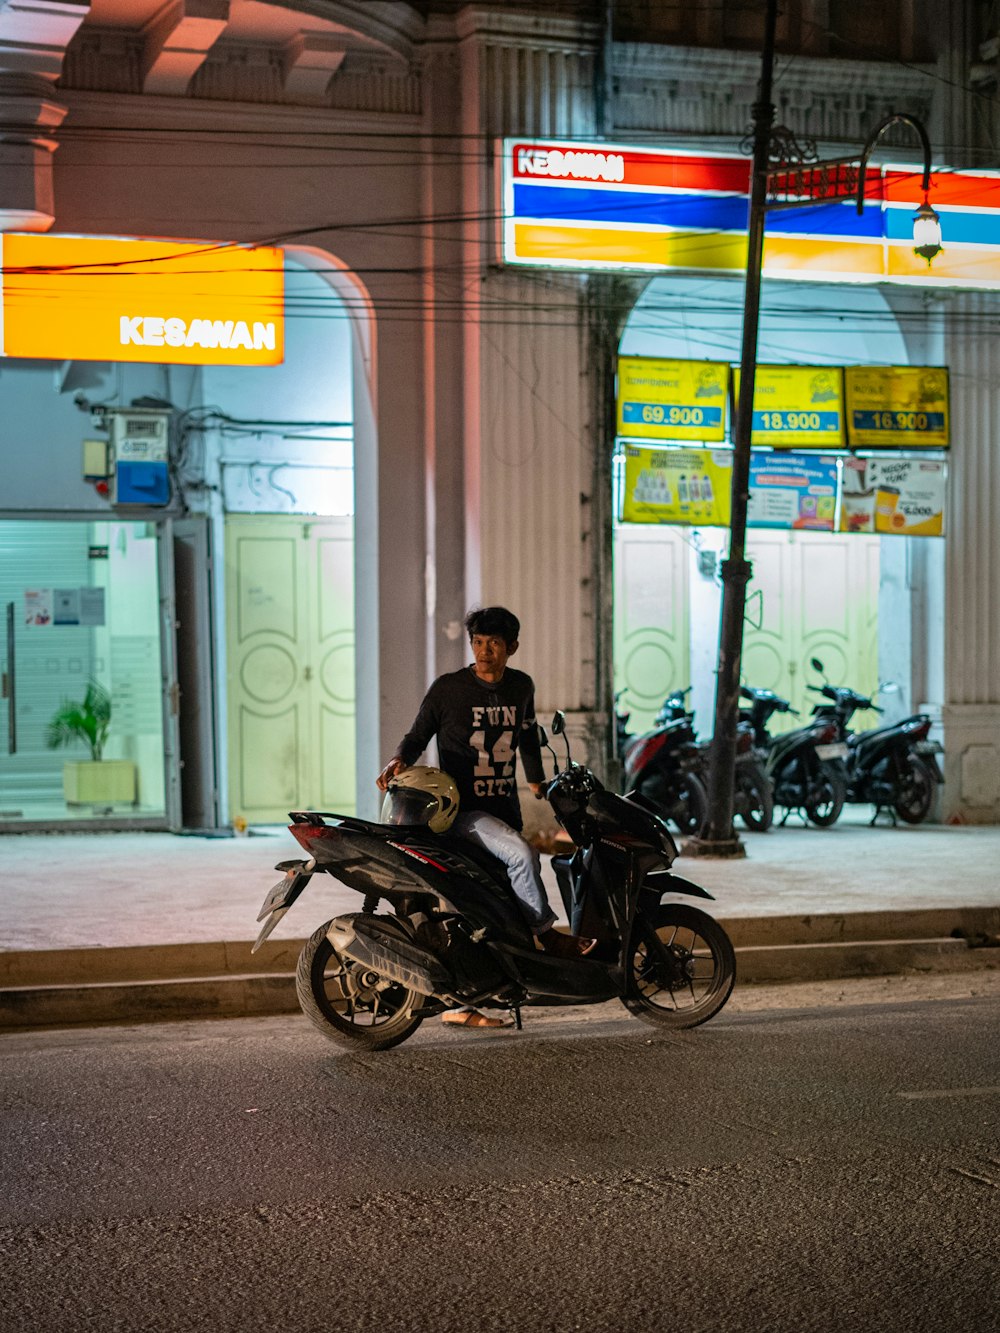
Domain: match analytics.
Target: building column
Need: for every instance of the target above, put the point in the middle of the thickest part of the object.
(29, 114)
(970, 626)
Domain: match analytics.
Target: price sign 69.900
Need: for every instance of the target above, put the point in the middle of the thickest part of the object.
(671, 400)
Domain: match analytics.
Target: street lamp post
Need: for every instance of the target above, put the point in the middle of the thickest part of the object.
(804, 182)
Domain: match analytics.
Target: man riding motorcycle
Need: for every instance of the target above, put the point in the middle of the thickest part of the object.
(482, 715)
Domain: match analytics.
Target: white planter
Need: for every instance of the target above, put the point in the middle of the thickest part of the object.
(107, 782)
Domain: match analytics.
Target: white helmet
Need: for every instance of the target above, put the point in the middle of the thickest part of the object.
(421, 795)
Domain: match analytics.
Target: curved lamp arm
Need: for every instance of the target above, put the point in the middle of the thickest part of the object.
(893, 119)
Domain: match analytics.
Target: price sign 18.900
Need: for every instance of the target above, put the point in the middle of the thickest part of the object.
(798, 407)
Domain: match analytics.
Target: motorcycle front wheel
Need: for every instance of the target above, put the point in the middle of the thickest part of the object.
(754, 798)
(915, 794)
(828, 795)
(680, 969)
(350, 1003)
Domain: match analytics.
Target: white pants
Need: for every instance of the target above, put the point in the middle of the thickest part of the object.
(517, 854)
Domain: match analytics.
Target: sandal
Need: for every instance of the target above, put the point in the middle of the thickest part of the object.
(471, 1018)
(560, 945)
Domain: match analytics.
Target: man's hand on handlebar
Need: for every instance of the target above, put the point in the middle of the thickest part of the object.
(538, 790)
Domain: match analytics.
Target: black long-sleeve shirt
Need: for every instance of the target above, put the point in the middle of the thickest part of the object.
(479, 727)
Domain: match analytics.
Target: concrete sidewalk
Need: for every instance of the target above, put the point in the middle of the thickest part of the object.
(117, 910)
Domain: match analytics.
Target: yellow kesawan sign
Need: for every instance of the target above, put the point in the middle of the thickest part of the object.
(100, 298)
(661, 399)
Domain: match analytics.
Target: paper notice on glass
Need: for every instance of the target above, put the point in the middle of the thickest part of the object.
(38, 606)
(91, 606)
(66, 606)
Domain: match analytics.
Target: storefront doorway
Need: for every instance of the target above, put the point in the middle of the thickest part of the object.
(291, 672)
(84, 708)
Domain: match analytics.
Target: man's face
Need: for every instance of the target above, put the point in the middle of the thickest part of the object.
(490, 653)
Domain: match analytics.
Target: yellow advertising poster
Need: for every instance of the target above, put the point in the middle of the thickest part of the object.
(107, 298)
(797, 407)
(677, 486)
(897, 497)
(897, 406)
(672, 400)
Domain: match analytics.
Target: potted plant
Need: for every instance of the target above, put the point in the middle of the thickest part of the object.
(100, 781)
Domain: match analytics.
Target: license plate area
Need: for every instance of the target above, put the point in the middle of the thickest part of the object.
(838, 750)
(929, 747)
(284, 892)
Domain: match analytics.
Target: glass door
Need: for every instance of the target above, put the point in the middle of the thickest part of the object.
(81, 717)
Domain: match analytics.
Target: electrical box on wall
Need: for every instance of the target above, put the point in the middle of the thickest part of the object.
(139, 447)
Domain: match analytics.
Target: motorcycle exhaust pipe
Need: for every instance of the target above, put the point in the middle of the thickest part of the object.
(367, 943)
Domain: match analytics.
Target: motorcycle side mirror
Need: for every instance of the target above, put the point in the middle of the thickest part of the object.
(558, 723)
(543, 738)
(817, 665)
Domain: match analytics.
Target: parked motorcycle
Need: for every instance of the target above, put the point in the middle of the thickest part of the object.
(893, 767)
(451, 932)
(753, 798)
(804, 765)
(665, 766)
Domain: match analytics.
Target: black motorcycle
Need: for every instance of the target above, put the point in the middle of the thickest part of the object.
(665, 766)
(753, 797)
(804, 764)
(451, 932)
(893, 768)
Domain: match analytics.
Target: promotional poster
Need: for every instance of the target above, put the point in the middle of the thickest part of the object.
(898, 497)
(797, 491)
(690, 486)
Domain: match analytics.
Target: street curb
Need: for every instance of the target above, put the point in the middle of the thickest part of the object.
(162, 983)
(146, 1002)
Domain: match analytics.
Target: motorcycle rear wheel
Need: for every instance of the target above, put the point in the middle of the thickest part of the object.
(916, 792)
(681, 967)
(690, 810)
(754, 798)
(686, 807)
(825, 808)
(349, 1003)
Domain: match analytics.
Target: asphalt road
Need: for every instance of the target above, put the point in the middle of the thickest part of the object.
(812, 1169)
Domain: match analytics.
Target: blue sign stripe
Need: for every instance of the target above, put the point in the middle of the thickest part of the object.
(576, 204)
(897, 421)
(805, 420)
(682, 211)
(659, 414)
(973, 228)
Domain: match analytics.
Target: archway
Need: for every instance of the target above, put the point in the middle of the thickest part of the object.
(811, 592)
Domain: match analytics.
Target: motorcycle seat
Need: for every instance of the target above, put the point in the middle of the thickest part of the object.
(355, 825)
(480, 857)
(863, 737)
